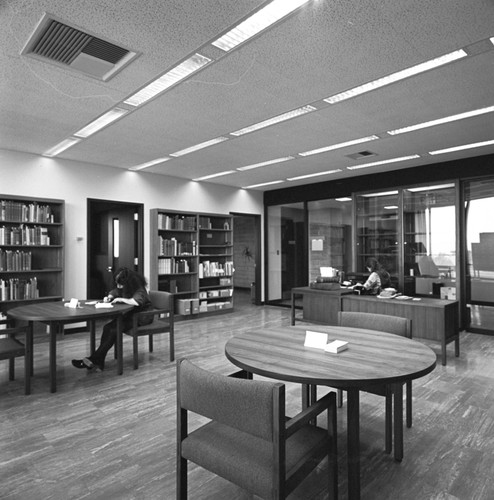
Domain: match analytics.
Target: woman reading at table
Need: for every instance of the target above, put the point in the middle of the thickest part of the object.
(130, 288)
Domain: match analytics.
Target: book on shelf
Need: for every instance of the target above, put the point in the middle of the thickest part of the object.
(179, 222)
(24, 235)
(15, 260)
(15, 211)
(18, 289)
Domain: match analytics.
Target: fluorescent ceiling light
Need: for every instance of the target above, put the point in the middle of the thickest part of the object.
(313, 175)
(164, 82)
(277, 119)
(265, 163)
(492, 40)
(62, 146)
(340, 145)
(431, 188)
(384, 162)
(391, 207)
(149, 163)
(256, 23)
(382, 193)
(212, 176)
(102, 121)
(440, 121)
(460, 148)
(345, 198)
(202, 145)
(395, 77)
(263, 184)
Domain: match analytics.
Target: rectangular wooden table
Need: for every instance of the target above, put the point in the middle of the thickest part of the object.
(371, 358)
(432, 319)
(56, 314)
(319, 306)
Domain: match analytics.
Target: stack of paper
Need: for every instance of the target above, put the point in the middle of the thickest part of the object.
(336, 346)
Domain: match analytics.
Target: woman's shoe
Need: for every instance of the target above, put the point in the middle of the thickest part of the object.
(83, 363)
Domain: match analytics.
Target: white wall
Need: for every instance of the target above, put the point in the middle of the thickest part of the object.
(35, 176)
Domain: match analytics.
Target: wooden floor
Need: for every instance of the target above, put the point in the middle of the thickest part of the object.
(103, 436)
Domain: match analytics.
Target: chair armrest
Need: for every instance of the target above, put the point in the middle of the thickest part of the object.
(151, 312)
(303, 418)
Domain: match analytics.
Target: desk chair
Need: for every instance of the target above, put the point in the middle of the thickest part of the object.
(11, 348)
(163, 304)
(248, 439)
(388, 324)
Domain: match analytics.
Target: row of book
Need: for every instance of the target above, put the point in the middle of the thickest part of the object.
(15, 211)
(18, 289)
(15, 260)
(24, 235)
(171, 247)
(210, 269)
(180, 222)
(173, 266)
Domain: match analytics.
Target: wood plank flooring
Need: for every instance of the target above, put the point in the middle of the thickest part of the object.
(103, 436)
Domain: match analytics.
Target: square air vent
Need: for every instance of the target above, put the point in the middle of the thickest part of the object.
(360, 155)
(57, 42)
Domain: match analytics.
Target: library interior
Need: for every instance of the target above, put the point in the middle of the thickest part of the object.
(273, 215)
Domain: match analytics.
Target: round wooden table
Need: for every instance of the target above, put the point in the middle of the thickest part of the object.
(371, 358)
(56, 314)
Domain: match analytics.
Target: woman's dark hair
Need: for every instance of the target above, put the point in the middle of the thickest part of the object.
(375, 266)
(130, 280)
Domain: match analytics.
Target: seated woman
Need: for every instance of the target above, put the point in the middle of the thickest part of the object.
(130, 289)
(378, 279)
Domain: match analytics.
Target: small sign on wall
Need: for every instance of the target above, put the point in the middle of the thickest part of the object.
(317, 244)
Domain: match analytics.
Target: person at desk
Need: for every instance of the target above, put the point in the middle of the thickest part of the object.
(378, 279)
(130, 288)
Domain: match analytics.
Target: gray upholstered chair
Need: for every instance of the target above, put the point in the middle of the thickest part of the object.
(248, 440)
(388, 324)
(163, 322)
(11, 348)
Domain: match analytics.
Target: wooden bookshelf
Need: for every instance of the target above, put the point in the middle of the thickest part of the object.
(31, 250)
(192, 257)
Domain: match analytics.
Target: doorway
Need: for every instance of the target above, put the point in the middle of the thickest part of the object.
(246, 258)
(286, 237)
(115, 239)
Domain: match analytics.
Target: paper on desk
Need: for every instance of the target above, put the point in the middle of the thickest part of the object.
(103, 305)
(336, 346)
(315, 339)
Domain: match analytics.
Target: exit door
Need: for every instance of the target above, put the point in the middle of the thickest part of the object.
(114, 241)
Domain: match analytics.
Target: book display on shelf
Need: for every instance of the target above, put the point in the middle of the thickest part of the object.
(192, 257)
(31, 250)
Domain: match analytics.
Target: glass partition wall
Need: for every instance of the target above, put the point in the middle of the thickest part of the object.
(479, 207)
(378, 232)
(330, 235)
(429, 240)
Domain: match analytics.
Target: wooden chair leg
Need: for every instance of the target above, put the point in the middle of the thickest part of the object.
(340, 398)
(181, 479)
(11, 368)
(27, 376)
(172, 345)
(135, 340)
(150, 343)
(409, 403)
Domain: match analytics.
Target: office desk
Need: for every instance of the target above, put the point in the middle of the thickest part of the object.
(319, 306)
(432, 319)
(56, 314)
(372, 358)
